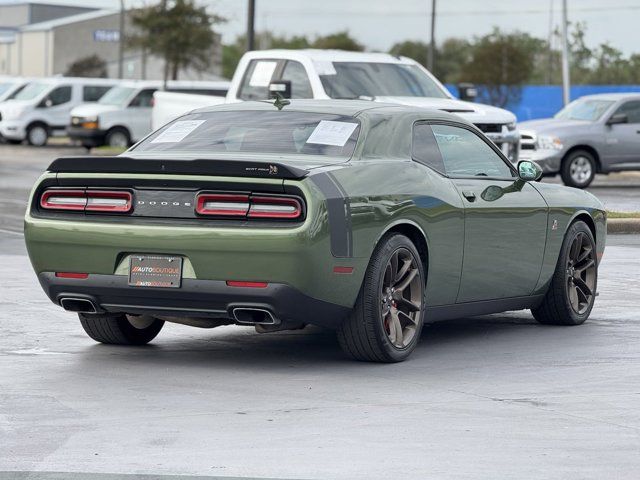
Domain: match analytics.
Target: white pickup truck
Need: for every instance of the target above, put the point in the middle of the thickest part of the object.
(324, 74)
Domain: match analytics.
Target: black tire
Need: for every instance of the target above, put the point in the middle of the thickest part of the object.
(574, 168)
(556, 308)
(117, 329)
(118, 137)
(13, 141)
(362, 335)
(37, 134)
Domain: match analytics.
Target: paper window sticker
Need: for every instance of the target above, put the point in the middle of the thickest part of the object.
(332, 133)
(178, 131)
(262, 73)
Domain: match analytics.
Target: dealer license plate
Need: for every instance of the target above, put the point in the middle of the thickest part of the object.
(155, 271)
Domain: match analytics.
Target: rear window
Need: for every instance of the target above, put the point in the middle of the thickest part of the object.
(276, 132)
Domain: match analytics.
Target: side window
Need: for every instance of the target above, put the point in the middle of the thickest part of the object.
(424, 148)
(59, 95)
(465, 154)
(143, 99)
(632, 110)
(93, 93)
(255, 84)
(297, 75)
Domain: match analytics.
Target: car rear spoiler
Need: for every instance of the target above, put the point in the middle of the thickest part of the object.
(225, 168)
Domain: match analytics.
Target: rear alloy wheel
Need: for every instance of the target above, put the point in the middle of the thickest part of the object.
(387, 319)
(118, 138)
(121, 329)
(578, 169)
(572, 292)
(37, 135)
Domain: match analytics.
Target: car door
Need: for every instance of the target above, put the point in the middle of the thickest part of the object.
(505, 219)
(56, 107)
(137, 117)
(623, 139)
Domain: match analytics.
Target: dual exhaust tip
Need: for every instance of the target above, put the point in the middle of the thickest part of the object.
(242, 315)
(79, 305)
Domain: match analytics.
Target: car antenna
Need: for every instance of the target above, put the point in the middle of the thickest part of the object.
(280, 102)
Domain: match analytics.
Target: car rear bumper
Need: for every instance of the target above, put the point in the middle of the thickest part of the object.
(195, 298)
(93, 138)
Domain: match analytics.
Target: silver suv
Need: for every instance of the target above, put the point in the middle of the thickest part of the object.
(594, 134)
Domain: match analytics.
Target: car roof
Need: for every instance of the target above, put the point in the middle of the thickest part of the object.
(615, 96)
(339, 107)
(330, 55)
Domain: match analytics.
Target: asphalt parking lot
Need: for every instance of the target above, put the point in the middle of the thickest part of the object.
(492, 397)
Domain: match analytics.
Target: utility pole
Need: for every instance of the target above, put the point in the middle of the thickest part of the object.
(121, 42)
(432, 43)
(251, 16)
(566, 83)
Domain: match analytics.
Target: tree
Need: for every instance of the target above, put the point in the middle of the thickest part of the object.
(500, 64)
(338, 41)
(412, 49)
(91, 66)
(178, 31)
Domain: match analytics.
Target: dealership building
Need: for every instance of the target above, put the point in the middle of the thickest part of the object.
(40, 40)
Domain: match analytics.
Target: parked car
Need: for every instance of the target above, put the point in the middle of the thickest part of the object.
(41, 109)
(325, 74)
(594, 134)
(123, 115)
(169, 105)
(351, 215)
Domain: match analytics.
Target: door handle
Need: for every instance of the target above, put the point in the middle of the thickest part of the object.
(469, 195)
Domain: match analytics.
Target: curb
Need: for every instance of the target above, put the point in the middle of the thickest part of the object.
(623, 225)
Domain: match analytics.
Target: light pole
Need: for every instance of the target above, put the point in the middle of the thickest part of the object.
(251, 15)
(566, 82)
(121, 42)
(432, 43)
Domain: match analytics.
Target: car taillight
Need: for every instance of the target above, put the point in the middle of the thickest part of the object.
(251, 206)
(223, 205)
(108, 201)
(275, 207)
(63, 200)
(87, 200)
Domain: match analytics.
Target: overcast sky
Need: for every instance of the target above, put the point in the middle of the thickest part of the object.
(380, 23)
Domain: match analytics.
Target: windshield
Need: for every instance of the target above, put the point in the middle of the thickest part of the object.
(4, 87)
(278, 132)
(117, 95)
(360, 79)
(32, 91)
(589, 110)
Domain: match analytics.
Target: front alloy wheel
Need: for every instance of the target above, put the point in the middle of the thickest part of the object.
(572, 291)
(387, 319)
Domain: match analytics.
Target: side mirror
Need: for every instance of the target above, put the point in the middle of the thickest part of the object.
(528, 171)
(617, 118)
(467, 92)
(283, 87)
(45, 103)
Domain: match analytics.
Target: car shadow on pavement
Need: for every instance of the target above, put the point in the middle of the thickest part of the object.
(241, 347)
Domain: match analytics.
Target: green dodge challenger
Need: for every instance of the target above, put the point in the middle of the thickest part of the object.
(367, 218)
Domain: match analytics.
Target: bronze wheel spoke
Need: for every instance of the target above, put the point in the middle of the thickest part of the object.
(581, 274)
(403, 270)
(407, 280)
(401, 300)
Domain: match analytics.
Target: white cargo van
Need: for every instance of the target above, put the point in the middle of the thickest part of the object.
(123, 115)
(41, 109)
